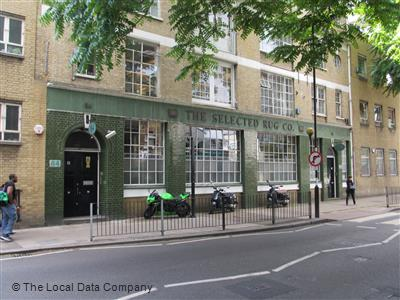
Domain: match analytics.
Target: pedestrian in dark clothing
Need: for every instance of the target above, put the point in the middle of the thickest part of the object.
(9, 212)
(350, 189)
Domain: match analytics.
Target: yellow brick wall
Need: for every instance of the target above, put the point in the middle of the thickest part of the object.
(18, 82)
(372, 136)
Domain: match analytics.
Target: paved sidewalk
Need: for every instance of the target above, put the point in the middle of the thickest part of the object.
(71, 236)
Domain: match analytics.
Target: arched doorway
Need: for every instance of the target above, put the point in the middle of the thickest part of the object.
(81, 174)
(331, 163)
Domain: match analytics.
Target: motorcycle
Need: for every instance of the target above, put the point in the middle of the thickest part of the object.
(221, 196)
(282, 196)
(178, 205)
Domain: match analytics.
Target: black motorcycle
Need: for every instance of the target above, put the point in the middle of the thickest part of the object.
(282, 196)
(221, 197)
(171, 204)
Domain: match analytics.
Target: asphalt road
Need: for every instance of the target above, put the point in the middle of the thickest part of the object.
(357, 259)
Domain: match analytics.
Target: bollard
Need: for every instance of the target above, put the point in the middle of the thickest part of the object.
(162, 217)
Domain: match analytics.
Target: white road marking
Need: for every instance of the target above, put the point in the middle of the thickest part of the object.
(391, 238)
(350, 248)
(307, 228)
(119, 247)
(36, 255)
(131, 296)
(261, 233)
(375, 217)
(366, 227)
(198, 240)
(333, 224)
(392, 222)
(217, 279)
(295, 262)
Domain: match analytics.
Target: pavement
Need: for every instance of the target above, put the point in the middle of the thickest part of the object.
(78, 235)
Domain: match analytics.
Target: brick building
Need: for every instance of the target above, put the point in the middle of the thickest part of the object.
(248, 122)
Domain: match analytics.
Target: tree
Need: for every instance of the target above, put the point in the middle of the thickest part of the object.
(316, 27)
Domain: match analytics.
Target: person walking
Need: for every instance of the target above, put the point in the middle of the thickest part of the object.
(9, 212)
(350, 189)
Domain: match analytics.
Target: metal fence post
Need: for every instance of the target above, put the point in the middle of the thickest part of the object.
(223, 212)
(309, 204)
(162, 217)
(91, 222)
(274, 200)
(387, 196)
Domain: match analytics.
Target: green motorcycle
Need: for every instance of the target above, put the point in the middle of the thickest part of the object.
(180, 206)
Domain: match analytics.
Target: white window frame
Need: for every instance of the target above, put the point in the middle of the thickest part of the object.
(282, 98)
(337, 60)
(364, 114)
(226, 44)
(144, 156)
(156, 65)
(380, 162)
(393, 158)
(339, 104)
(211, 83)
(391, 118)
(268, 45)
(361, 71)
(272, 169)
(319, 100)
(378, 116)
(3, 114)
(157, 3)
(366, 158)
(6, 35)
(230, 164)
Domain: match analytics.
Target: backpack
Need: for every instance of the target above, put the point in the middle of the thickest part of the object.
(4, 196)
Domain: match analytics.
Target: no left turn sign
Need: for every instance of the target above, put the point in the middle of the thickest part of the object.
(315, 158)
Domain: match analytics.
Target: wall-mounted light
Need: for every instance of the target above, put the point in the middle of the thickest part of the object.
(38, 129)
(110, 134)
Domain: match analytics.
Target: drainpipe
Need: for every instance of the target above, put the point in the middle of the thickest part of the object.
(350, 110)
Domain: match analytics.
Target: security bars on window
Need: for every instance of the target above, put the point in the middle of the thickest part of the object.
(393, 162)
(143, 152)
(277, 95)
(380, 162)
(141, 70)
(365, 163)
(277, 158)
(217, 155)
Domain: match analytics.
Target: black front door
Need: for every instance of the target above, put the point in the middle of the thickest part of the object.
(80, 183)
(331, 175)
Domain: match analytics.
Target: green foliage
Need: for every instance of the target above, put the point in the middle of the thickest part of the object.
(99, 28)
(318, 28)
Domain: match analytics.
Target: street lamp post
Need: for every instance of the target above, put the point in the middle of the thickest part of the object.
(316, 189)
(310, 133)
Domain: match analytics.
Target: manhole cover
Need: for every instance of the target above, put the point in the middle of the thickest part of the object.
(260, 288)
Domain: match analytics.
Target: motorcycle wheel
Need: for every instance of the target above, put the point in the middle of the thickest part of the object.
(182, 210)
(149, 212)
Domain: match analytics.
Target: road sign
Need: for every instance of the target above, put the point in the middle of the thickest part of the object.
(315, 158)
(54, 163)
(92, 128)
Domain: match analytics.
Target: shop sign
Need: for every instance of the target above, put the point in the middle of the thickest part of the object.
(222, 119)
(54, 163)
